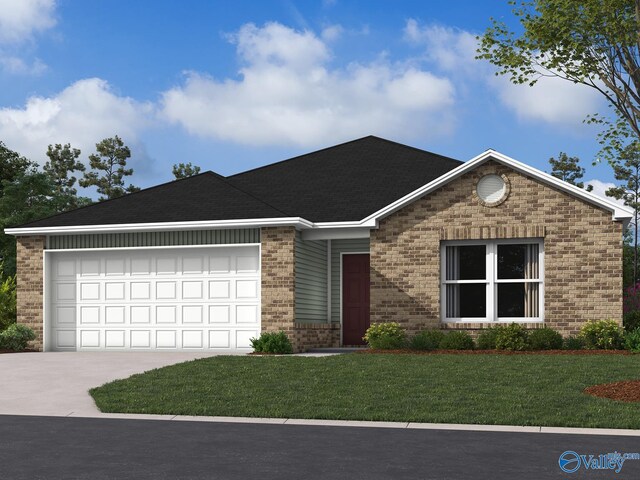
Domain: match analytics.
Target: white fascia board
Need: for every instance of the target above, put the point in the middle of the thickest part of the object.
(297, 222)
(323, 233)
(619, 212)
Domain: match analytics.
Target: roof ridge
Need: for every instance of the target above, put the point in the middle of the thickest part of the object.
(417, 149)
(301, 155)
(341, 145)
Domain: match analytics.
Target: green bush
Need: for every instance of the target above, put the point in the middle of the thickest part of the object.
(385, 336)
(632, 341)
(545, 339)
(512, 337)
(602, 335)
(15, 337)
(457, 340)
(631, 321)
(7, 301)
(272, 342)
(487, 338)
(573, 343)
(427, 340)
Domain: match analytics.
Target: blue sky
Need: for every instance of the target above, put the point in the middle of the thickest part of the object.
(234, 85)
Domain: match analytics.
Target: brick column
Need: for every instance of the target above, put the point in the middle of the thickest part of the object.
(30, 252)
(278, 279)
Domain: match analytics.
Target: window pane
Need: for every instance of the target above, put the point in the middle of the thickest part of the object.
(518, 299)
(466, 262)
(466, 300)
(518, 261)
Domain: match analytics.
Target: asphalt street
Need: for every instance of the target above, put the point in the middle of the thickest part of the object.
(89, 448)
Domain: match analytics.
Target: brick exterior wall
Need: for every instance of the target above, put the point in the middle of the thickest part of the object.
(278, 278)
(30, 285)
(582, 245)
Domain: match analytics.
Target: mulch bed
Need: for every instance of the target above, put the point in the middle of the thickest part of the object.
(4, 350)
(498, 352)
(625, 391)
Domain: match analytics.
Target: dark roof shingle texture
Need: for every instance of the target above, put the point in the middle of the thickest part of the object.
(347, 182)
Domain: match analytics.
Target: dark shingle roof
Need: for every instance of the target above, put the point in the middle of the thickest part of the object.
(346, 182)
(202, 197)
(341, 183)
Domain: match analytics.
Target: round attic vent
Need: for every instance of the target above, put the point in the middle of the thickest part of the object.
(491, 188)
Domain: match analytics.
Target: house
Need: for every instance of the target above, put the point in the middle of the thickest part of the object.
(320, 246)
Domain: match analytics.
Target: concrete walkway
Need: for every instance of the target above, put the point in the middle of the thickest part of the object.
(57, 383)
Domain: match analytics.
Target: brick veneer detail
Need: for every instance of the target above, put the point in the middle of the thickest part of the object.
(30, 285)
(582, 247)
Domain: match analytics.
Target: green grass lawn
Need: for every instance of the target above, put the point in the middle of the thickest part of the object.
(487, 389)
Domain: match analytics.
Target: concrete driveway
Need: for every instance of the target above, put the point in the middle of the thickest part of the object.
(56, 383)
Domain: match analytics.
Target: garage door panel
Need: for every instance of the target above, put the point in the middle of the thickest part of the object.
(172, 299)
(140, 314)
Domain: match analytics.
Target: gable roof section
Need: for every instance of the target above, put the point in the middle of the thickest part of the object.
(347, 182)
(618, 212)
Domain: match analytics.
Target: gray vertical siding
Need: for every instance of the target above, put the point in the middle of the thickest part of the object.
(155, 239)
(338, 247)
(311, 280)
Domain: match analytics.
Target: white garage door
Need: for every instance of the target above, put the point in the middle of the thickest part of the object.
(153, 299)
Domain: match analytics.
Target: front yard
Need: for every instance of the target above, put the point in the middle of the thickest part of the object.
(442, 388)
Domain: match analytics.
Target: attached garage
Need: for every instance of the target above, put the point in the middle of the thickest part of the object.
(193, 298)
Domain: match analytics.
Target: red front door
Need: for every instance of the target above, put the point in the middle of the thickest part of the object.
(355, 298)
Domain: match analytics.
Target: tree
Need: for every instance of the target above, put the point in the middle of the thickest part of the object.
(590, 42)
(63, 162)
(12, 165)
(627, 172)
(108, 169)
(185, 170)
(568, 169)
(30, 196)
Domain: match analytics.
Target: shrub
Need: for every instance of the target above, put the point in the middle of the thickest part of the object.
(487, 338)
(632, 341)
(631, 320)
(457, 340)
(545, 339)
(7, 301)
(573, 343)
(385, 336)
(272, 342)
(512, 337)
(15, 337)
(602, 335)
(427, 340)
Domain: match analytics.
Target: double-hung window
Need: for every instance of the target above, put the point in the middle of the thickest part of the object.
(496, 280)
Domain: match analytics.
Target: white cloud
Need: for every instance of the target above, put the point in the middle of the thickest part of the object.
(82, 114)
(288, 94)
(332, 33)
(551, 100)
(451, 49)
(600, 188)
(18, 66)
(20, 19)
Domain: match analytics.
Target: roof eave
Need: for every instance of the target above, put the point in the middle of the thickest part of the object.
(297, 222)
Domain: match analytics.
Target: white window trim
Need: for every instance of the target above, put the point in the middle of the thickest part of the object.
(490, 279)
